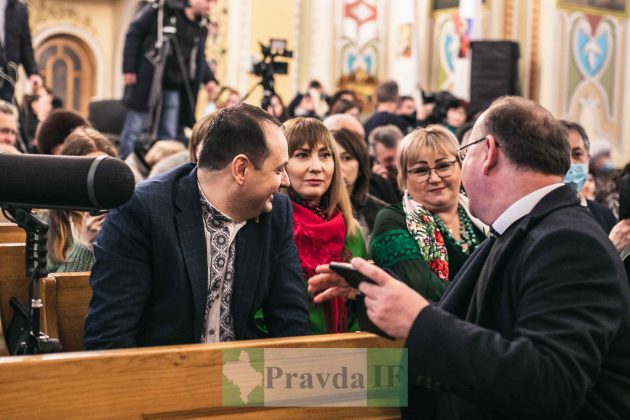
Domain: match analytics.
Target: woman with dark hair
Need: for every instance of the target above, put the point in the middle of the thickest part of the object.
(71, 233)
(355, 170)
(343, 106)
(277, 109)
(323, 225)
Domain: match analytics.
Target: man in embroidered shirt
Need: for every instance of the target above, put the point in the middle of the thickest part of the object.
(196, 253)
(537, 322)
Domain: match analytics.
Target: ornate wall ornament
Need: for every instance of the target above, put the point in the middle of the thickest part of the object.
(42, 12)
(593, 82)
(359, 53)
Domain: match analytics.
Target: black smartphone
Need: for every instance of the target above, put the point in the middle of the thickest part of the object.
(349, 273)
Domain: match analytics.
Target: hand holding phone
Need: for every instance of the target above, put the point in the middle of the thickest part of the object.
(349, 274)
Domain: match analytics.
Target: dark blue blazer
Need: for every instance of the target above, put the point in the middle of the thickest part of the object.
(150, 278)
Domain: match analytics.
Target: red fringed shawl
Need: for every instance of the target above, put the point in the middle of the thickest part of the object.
(318, 242)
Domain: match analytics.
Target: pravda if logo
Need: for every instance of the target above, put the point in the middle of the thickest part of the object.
(314, 377)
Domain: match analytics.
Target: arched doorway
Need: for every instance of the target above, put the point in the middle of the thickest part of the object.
(67, 66)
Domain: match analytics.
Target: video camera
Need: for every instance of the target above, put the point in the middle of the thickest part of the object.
(268, 66)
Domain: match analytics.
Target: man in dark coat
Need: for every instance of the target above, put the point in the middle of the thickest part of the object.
(537, 322)
(178, 107)
(16, 48)
(195, 253)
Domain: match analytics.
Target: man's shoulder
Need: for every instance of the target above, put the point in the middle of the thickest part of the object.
(164, 187)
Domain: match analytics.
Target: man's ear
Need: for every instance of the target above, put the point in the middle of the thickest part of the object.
(240, 168)
(491, 154)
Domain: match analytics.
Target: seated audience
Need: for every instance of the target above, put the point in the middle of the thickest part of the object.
(355, 169)
(196, 252)
(343, 106)
(427, 237)
(52, 132)
(277, 109)
(339, 121)
(72, 233)
(324, 229)
(141, 167)
(199, 131)
(312, 102)
(578, 174)
(455, 115)
(384, 142)
(386, 107)
(8, 128)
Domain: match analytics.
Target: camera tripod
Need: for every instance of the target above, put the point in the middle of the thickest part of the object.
(165, 44)
(36, 342)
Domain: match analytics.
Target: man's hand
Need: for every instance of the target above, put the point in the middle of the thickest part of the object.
(36, 82)
(381, 170)
(391, 305)
(330, 284)
(130, 78)
(620, 234)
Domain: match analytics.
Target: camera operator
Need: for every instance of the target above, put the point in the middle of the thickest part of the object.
(191, 34)
(15, 48)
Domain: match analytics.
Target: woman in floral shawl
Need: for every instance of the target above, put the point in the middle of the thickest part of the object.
(427, 237)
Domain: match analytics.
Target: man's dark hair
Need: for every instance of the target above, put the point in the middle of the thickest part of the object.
(234, 131)
(405, 98)
(529, 135)
(387, 92)
(569, 125)
(54, 129)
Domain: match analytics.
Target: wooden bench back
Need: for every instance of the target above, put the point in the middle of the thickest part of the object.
(65, 297)
(11, 233)
(159, 382)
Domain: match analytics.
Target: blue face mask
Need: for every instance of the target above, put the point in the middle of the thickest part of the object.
(576, 176)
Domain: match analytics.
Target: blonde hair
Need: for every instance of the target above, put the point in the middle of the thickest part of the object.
(311, 132)
(434, 138)
(162, 149)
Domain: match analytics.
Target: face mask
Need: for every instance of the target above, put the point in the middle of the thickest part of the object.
(576, 176)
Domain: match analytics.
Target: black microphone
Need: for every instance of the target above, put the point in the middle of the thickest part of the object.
(64, 182)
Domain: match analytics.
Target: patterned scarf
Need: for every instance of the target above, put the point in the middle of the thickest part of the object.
(424, 230)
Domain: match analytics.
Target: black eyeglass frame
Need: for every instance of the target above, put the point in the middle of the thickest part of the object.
(459, 150)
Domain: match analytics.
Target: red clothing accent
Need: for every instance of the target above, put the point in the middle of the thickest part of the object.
(321, 242)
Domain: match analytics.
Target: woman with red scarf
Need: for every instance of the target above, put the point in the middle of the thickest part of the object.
(323, 225)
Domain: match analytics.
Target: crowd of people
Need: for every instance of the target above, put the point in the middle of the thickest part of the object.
(493, 241)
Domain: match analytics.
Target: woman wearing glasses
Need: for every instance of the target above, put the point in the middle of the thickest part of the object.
(427, 237)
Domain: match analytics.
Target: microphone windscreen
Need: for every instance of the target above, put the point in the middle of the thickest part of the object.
(64, 182)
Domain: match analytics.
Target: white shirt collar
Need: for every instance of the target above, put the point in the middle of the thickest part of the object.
(521, 208)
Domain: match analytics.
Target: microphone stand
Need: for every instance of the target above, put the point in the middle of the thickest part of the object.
(36, 252)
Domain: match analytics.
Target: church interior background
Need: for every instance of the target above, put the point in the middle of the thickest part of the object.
(573, 53)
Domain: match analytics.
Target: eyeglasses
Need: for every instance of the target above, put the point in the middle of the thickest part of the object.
(461, 152)
(442, 169)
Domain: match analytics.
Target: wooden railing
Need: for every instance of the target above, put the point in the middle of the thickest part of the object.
(11, 233)
(159, 382)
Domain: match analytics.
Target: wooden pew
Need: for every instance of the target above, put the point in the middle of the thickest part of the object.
(11, 233)
(159, 383)
(13, 282)
(65, 297)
